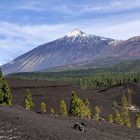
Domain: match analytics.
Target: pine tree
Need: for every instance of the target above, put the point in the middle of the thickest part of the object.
(63, 108)
(127, 123)
(43, 107)
(125, 111)
(72, 102)
(124, 101)
(97, 110)
(52, 111)
(97, 113)
(110, 118)
(5, 94)
(117, 118)
(28, 103)
(81, 110)
(96, 117)
(78, 107)
(86, 102)
(138, 121)
(129, 94)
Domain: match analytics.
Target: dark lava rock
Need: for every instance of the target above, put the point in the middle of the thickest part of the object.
(79, 126)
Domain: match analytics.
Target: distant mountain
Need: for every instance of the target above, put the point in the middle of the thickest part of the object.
(75, 47)
(123, 49)
(76, 50)
(116, 52)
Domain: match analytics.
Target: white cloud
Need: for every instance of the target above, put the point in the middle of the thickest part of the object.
(73, 10)
(44, 5)
(113, 6)
(29, 31)
(124, 30)
(17, 39)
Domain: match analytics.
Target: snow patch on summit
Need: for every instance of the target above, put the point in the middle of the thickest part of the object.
(76, 32)
(75, 47)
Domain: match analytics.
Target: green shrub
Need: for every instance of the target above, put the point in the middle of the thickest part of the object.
(97, 110)
(97, 113)
(81, 110)
(125, 111)
(138, 121)
(78, 107)
(28, 103)
(43, 107)
(110, 118)
(127, 123)
(52, 111)
(124, 102)
(117, 118)
(63, 108)
(72, 103)
(96, 117)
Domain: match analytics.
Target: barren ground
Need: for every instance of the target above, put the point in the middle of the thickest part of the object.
(16, 123)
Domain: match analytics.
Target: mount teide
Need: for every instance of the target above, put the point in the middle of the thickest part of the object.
(74, 48)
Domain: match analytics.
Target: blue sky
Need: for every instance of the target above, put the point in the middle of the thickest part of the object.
(25, 24)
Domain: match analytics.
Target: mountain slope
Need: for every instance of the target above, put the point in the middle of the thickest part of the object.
(123, 49)
(75, 47)
(115, 53)
(73, 51)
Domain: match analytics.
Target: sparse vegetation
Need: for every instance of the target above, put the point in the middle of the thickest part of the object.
(110, 118)
(97, 113)
(43, 107)
(52, 111)
(72, 107)
(117, 118)
(78, 108)
(125, 111)
(28, 102)
(63, 108)
(122, 113)
(138, 121)
(82, 108)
